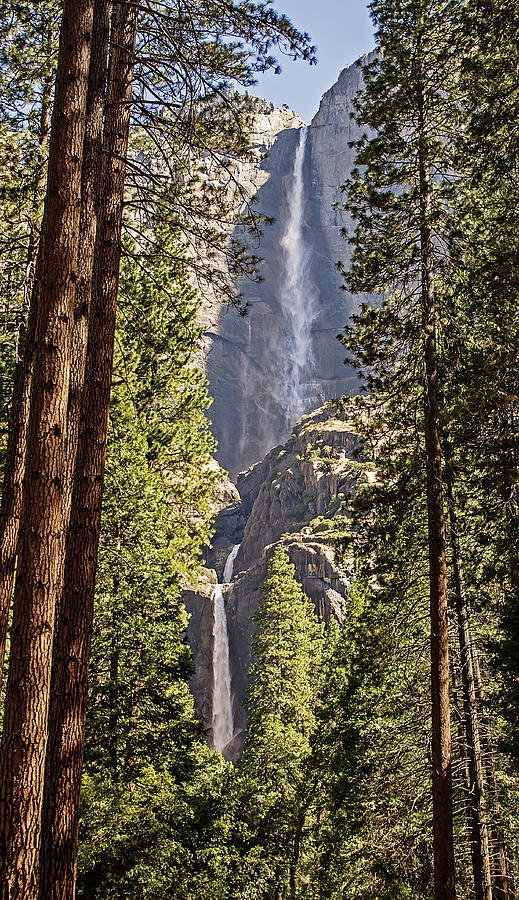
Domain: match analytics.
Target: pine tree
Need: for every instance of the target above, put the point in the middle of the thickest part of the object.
(482, 388)
(147, 764)
(28, 51)
(206, 73)
(59, 837)
(397, 197)
(370, 745)
(281, 702)
(128, 33)
(484, 245)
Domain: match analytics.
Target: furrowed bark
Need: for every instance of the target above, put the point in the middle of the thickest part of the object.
(72, 650)
(14, 468)
(443, 837)
(22, 751)
(59, 841)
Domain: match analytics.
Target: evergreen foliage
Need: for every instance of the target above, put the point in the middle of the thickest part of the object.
(28, 47)
(481, 358)
(149, 773)
(472, 256)
(285, 677)
(371, 748)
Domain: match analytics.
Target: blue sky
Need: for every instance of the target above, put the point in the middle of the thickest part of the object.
(342, 31)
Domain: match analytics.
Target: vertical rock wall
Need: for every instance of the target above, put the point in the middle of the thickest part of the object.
(245, 356)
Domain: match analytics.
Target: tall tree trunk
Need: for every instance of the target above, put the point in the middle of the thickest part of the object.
(480, 843)
(14, 468)
(459, 719)
(22, 751)
(73, 638)
(59, 828)
(502, 880)
(443, 838)
(43, 136)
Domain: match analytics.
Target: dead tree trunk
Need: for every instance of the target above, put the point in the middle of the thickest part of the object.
(459, 718)
(73, 638)
(502, 880)
(22, 751)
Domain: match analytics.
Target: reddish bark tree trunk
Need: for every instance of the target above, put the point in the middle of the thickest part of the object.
(22, 751)
(59, 839)
(73, 636)
(443, 837)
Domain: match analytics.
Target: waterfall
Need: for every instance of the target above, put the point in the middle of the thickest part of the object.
(229, 564)
(298, 297)
(222, 703)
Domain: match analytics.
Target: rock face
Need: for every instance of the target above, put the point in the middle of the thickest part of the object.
(296, 496)
(246, 357)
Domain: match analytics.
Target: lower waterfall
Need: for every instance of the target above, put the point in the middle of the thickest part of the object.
(222, 721)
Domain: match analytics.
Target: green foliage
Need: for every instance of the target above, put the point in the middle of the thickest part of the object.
(371, 743)
(286, 650)
(424, 101)
(146, 749)
(285, 676)
(159, 837)
(481, 357)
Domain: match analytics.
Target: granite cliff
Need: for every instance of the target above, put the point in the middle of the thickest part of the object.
(248, 359)
(267, 369)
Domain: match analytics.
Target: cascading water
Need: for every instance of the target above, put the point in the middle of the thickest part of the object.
(297, 296)
(228, 569)
(222, 703)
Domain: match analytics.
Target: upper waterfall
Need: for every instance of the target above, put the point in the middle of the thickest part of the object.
(282, 358)
(297, 297)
